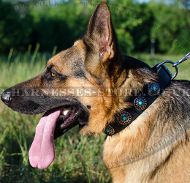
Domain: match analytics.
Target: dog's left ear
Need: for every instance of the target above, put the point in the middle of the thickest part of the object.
(100, 33)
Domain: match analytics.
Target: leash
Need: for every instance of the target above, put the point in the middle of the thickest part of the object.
(174, 64)
(144, 99)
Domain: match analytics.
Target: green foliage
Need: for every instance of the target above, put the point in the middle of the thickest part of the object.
(15, 29)
(60, 27)
(51, 26)
(171, 28)
(133, 22)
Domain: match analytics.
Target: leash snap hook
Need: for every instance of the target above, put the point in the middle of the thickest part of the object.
(186, 57)
(175, 64)
(176, 71)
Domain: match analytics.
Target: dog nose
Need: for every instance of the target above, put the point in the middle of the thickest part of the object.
(6, 97)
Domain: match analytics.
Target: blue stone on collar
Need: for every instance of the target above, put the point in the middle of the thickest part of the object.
(153, 89)
(140, 103)
(124, 118)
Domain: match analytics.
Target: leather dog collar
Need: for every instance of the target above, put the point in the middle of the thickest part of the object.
(141, 102)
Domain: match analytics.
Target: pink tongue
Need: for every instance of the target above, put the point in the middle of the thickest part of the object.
(42, 151)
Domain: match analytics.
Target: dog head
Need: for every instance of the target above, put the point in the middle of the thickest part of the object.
(77, 79)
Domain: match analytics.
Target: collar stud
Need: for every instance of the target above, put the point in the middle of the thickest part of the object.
(153, 89)
(140, 103)
(124, 118)
(109, 130)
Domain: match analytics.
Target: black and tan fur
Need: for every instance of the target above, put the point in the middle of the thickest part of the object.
(155, 148)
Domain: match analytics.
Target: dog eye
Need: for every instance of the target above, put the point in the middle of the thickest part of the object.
(49, 75)
(53, 74)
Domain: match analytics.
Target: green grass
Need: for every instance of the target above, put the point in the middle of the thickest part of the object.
(78, 158)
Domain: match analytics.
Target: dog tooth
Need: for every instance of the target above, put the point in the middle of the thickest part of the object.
(65, 112)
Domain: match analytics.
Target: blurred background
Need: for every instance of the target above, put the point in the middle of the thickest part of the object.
(53, 25)
(32, 31)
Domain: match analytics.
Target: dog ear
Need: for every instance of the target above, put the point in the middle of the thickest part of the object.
(100, 32)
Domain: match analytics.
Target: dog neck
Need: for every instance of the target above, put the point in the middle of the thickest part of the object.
(139, 102)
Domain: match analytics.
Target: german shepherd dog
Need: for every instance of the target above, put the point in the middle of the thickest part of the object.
(154, 148)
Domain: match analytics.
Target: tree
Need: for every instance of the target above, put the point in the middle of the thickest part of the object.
(171, 27)
(15, 29)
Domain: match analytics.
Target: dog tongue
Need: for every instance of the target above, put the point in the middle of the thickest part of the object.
(42, 151)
